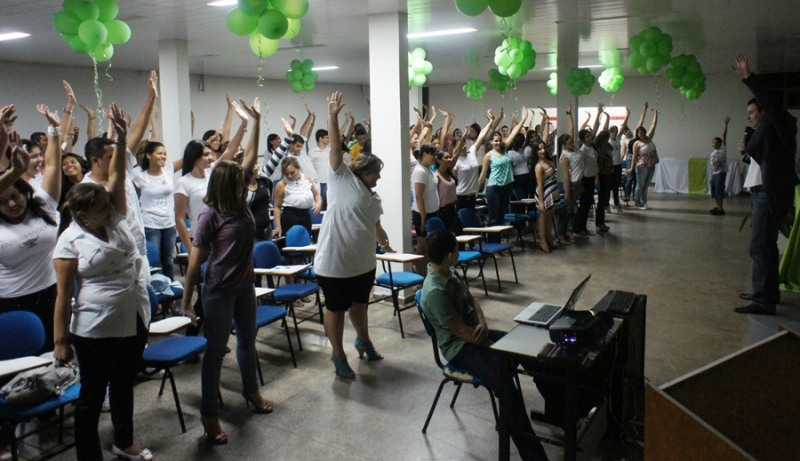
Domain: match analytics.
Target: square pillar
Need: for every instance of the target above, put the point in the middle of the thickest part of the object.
(176, 116)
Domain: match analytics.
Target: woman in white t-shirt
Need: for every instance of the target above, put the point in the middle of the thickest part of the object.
(425, 185)
(29, 229)
(467, 169)
(520, 155)
(345, 259)
(107, 324)
(154, 180)
(571, 165)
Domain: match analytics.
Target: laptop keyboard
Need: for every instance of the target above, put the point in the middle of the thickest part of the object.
(545, 313)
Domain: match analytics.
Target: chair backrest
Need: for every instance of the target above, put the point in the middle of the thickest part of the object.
(435, 224)
(298, 237)
(21, 334)
(151, 294)
(468, 218)
(429, 329)
(266, 255)
(153, 258)
(315, 218)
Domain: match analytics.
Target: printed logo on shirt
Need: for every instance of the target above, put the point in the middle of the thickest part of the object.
(27, 240)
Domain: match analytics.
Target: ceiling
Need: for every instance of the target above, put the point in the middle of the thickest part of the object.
(335, 32)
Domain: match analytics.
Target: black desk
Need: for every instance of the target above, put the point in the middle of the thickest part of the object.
(526, 343)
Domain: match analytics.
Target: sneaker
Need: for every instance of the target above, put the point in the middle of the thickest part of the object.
(603, 228)
(643, 207)
(581, 235)
(587, 233)
(618, 208)
(717, 212)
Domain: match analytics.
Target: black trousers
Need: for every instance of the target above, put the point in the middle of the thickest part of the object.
(42, 303)
(112, 363)
(466, 201)
(606, 185)
(587, 198)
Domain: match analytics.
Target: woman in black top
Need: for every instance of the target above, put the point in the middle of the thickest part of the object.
(258, 194)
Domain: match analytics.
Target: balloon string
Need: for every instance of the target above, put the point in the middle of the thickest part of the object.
(658, 94)
(260, 80)
(100, 116)
(611, 102)
(108, 75)
(683, 114)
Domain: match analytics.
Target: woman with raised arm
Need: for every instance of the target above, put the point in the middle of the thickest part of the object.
(628, 140)
(153, 178)
(29, 229)
(614, 134)
(107, 324)
(349, 231)
(590, 171)
(258, 194)
(547, 194)
(501, 178)
(571, 162)
(605, 175)
(645, 158)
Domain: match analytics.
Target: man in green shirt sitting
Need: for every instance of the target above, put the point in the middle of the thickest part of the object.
(463, 336)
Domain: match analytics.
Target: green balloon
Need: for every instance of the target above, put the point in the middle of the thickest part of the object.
(93, 32)
(252, 7)
(648, 49)
(79, 46)
(315, 74)
(505, 60)
(516, 55)
(653, 64)
(289, 76)
(428, 68)
(87, 11)
(419, 53)
(526, 47)
(411, 74)
(420, 80)
(505, 8)
(262, 46)
(471, 7)
(691, 94)
(307, 80)
(294, 9)
(675, 82)
(240, 23)
(108, 10)
(309, 87)
(102, 53)
(514, 70)
(688, 80)
(118, 32)
(529, 62)
(635, 42)
(66, 23)
(306, 66)
(653, 34)
(66, 37)
(297, 75)
(295, 64)
(293, 30)
(418, 65)
(69, 5)
(693, 68)
(664, 47)
(297, 87)
(272, 24)
(636, 60)
(680, 61)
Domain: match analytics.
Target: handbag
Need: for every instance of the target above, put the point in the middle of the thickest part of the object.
(40, 384)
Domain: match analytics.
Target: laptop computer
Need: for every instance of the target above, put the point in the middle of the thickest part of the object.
(543, 314)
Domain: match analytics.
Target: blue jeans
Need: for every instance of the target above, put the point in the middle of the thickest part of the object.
(768, 211)
(497, 198)
(220, 308)
(485, 364)
(644, 174)
(630, 178)
(566, 212)
(323, 192)
(164, 240)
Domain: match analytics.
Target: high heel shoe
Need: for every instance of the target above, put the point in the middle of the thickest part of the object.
(343, 370)
(144, 455)
(365, 347)
(220, 438)
(262, 410)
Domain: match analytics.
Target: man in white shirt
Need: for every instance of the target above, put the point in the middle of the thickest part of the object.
(719, 169)
(320, 158)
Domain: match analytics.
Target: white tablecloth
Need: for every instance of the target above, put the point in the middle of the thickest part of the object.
(672, 176)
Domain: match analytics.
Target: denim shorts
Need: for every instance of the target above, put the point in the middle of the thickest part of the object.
(718, 185)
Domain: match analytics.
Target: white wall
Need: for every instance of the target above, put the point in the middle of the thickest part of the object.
(685, 128)
(29, 84)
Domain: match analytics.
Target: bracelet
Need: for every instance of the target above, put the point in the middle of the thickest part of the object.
(66, 111)
(121, 143)
(53, 131)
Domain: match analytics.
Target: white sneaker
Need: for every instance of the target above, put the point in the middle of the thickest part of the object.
(144, 455)
(106, 403)
(645, 207)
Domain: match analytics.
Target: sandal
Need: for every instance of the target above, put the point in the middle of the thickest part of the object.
(297, 303)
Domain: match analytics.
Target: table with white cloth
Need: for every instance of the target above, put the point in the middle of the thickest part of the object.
(672, 176)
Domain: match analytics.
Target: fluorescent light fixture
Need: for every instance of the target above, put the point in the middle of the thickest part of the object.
(592, 67)
(437, 33)
(320, 68)
(13, 35)
(223, 3)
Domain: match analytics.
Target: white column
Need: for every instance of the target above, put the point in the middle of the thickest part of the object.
(414, 100)
(176, 116)
(388, 76)
(568, 36)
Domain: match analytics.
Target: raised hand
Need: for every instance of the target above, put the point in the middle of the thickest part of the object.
(600, 108)
(70, 95)
(309, 109)
(88, 109)
(569, 105)
(7, 117)
(349, 115)
(254, 110)
(490, 114)
(19, 158)
(627, 111)
(241, 113)
(228, 99)
(152, 84)
(294, 121)
(742, 66)
(542, 109)
(646, 105)
(727, 119)
(288, 127)
(52, 117)
(117, 117)
(335, 104)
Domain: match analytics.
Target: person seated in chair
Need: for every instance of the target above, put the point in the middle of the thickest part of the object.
(464, 337)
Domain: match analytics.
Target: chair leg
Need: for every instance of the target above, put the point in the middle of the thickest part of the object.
(13, 444)
(296, 330)
(168, 372)
(61, 425)
(289, 340)
(163, 381)
(455, 396)
(258, 367)
(396, 302)
(497, 271)
(494, 409)
(514, 265)
(483, 277)
(433, 406)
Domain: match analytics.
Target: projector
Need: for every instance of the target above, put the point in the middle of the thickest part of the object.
(580, 328)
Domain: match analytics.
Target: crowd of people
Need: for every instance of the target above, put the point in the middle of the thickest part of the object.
(75, 228)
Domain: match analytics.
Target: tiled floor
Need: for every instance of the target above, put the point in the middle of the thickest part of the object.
(690, 264)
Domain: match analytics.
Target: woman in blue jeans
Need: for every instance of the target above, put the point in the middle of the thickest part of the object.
(225, 233)
(645, 158)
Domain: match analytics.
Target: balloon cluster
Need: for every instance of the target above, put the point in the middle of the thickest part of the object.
(515, 57)
(580, 81)
(302, 77)
(651, 50)
(499, 82)
(266, 22)
(687, 75)
(90, 27)
(474, 88)
(418, 68)
(502, 8)
(611, 58)
(611, 79)
(552, 84)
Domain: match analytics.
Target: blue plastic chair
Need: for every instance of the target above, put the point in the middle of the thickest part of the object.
(266, 255)
(169, 353)
(266, 315)
(22, 335)
(452, 374)
(465, 257)
(298, 237)
(154, 259)
(468, 218)
(396, 282)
